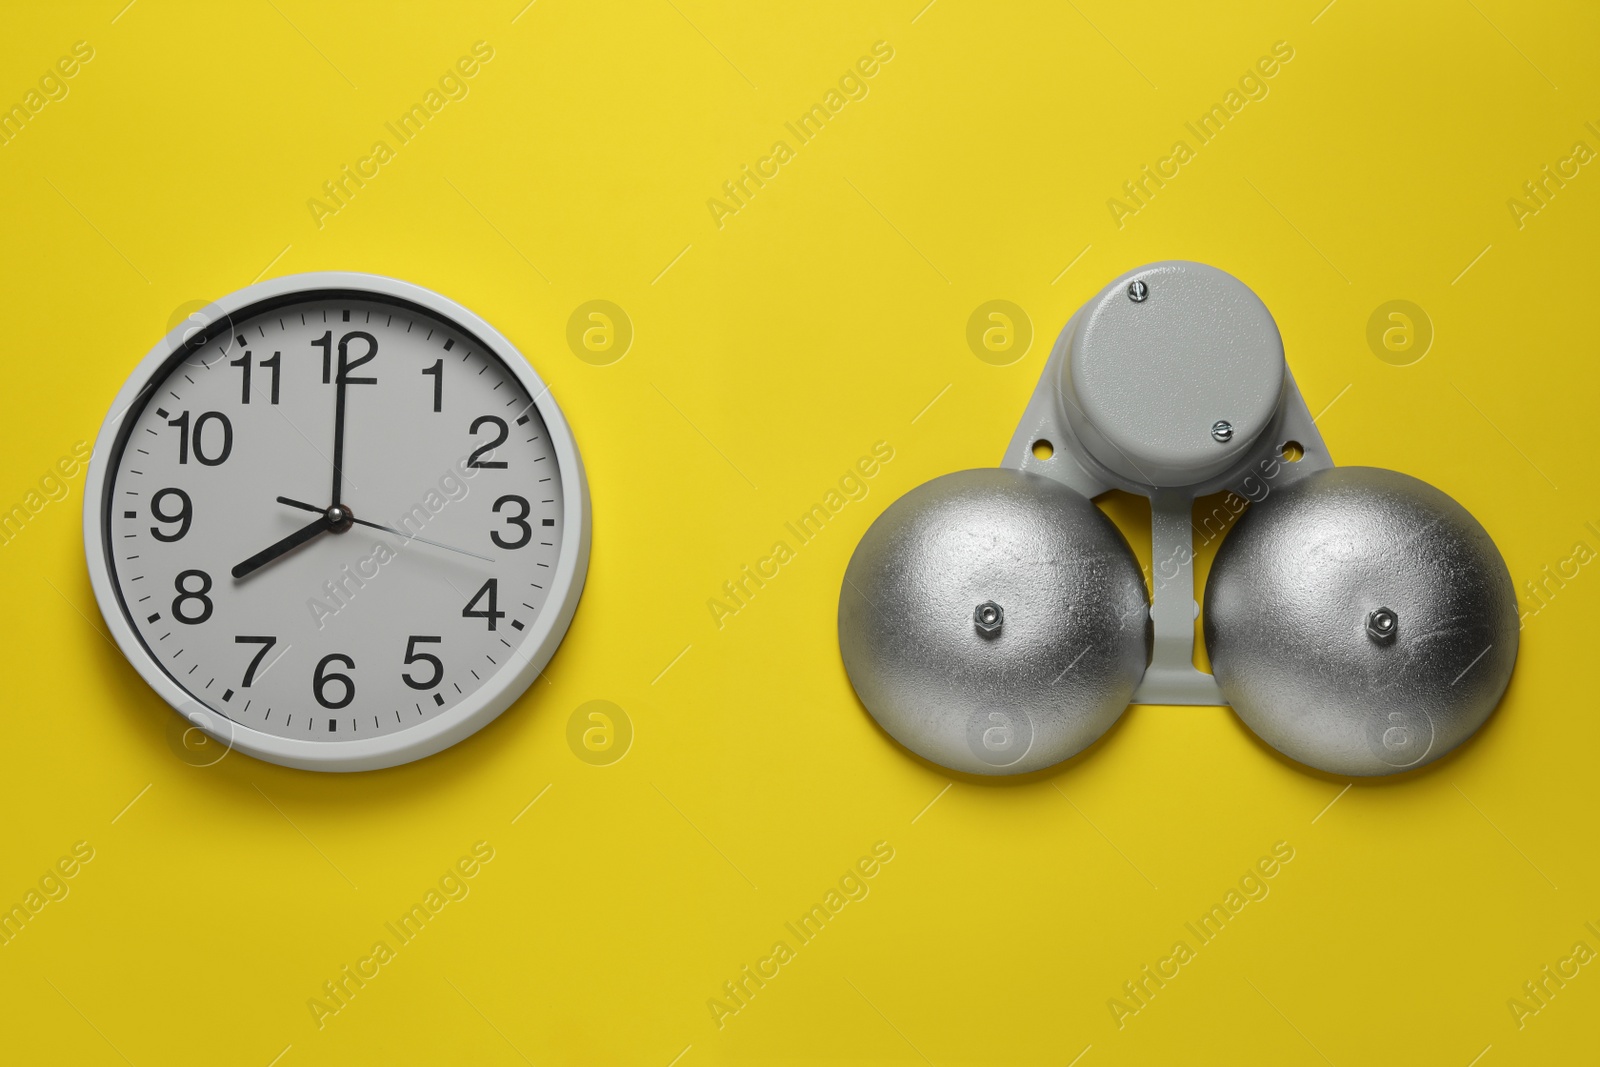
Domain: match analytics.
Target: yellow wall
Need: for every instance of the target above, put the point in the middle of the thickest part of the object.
(769, 353)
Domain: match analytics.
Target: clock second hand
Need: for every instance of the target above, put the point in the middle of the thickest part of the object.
(303, 506)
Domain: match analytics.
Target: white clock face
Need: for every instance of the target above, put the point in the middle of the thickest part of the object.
(339, 520)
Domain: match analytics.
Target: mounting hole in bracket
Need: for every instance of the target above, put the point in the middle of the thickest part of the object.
(1293, 451)
(1043, 449)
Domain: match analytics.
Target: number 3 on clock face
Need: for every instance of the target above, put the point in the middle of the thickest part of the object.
(341, 525)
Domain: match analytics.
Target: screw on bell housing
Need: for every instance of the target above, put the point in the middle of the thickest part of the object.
(1138, 292)
(1222, 431)
(988, 618)
(1382, 625)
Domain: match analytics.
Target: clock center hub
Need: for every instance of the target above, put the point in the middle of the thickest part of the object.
(340, 518)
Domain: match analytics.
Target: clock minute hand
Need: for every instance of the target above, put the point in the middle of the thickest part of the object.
(272, 552)
(303, 506)
(338, 430)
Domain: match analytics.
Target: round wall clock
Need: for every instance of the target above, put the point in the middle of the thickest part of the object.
(340, 524)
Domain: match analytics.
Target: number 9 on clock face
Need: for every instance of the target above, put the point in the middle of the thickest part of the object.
(342, 525)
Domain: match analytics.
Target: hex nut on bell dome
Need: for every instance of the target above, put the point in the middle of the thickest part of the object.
(994, 621)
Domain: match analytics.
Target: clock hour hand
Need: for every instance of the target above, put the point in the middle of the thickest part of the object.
(294, 540)
(303, 506)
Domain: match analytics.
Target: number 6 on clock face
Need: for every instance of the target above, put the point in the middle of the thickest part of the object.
(342, 526)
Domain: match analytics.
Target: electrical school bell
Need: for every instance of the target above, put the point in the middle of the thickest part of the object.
(995, 621)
